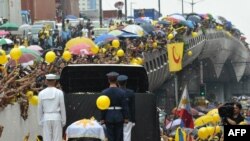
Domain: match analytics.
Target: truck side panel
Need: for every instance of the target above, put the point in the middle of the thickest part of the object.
(151, 13)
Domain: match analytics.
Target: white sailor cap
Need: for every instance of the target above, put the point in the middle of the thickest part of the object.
(52, 77)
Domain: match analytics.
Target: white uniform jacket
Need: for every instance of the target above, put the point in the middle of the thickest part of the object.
(51, 105)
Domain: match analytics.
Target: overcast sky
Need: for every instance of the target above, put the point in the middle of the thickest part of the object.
(233, 10)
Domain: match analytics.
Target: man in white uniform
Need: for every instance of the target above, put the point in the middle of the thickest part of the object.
(51, 110)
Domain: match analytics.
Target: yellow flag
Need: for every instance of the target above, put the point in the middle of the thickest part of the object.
(180, 135)
(175, 55)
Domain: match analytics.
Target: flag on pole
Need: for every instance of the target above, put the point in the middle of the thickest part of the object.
(180, 135)
(175, 55)
(184, 109)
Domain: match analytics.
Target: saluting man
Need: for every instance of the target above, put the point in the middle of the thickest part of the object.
(115, 116)
(51, 110)
(130, 97)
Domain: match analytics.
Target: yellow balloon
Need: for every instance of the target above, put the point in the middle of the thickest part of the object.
(190, 53)
(243, 123)
(208, 119)
(120, 53)
(103, 102)
(94, 49)
(216, 118)
(194, 34)
(203, 120)
(66, 56)
(103, 50)
(139, 60)
(34, 100)
(212, 112)
(203, 133)
(15, 53)
(170, 36)
(2, 52)
(155, 45)
(50, 57)
(29, 94)
(211, 130)
(3, 59)
(217, 129)
(134, 61)
(170, 139)
(116, 43)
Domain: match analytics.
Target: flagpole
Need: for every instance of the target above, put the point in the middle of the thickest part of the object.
(176, 89)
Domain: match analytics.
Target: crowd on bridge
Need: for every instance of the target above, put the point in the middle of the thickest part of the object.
(22, 72)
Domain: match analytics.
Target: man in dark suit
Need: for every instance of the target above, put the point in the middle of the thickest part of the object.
(117, 113)
(130, 97)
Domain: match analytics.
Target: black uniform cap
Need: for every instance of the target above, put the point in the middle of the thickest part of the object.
(112, 74)
(122, 78)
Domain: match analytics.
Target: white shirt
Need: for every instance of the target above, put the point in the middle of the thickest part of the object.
(51, 105)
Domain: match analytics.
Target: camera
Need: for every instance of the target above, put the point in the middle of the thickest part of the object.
(227, 110)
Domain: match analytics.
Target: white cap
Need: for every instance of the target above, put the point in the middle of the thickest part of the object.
(52, 77)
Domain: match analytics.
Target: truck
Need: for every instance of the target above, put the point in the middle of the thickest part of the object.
(11, 10)
(151, 13)
(80, 87)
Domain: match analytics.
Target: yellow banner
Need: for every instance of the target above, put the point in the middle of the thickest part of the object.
(175, 55)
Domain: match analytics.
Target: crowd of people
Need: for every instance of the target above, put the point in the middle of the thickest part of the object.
(19, 80)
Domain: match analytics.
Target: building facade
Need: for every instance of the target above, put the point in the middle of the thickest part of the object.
(40, 9)
(88, 5)
(71, 7)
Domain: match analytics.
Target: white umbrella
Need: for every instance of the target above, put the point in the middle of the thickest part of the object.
(136, 29)
(178, 17)
(6, 41)
(24, 27)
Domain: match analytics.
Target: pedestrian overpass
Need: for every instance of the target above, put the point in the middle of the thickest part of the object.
(224, 65)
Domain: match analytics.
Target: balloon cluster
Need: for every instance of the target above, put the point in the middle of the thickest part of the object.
(210, 120)
(33, 99)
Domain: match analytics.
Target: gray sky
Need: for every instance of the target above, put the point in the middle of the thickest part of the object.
(233, 10)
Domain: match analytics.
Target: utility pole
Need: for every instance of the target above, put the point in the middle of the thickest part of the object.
(176, 89)
(131, 8)
(182, 7)
(192, 4)
(126, 10)
(63, 14)
(100, 14)
(201, 72)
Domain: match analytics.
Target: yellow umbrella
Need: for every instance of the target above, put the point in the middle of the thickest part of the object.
(79, 40)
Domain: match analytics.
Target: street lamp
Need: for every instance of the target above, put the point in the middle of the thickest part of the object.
(192, 3)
